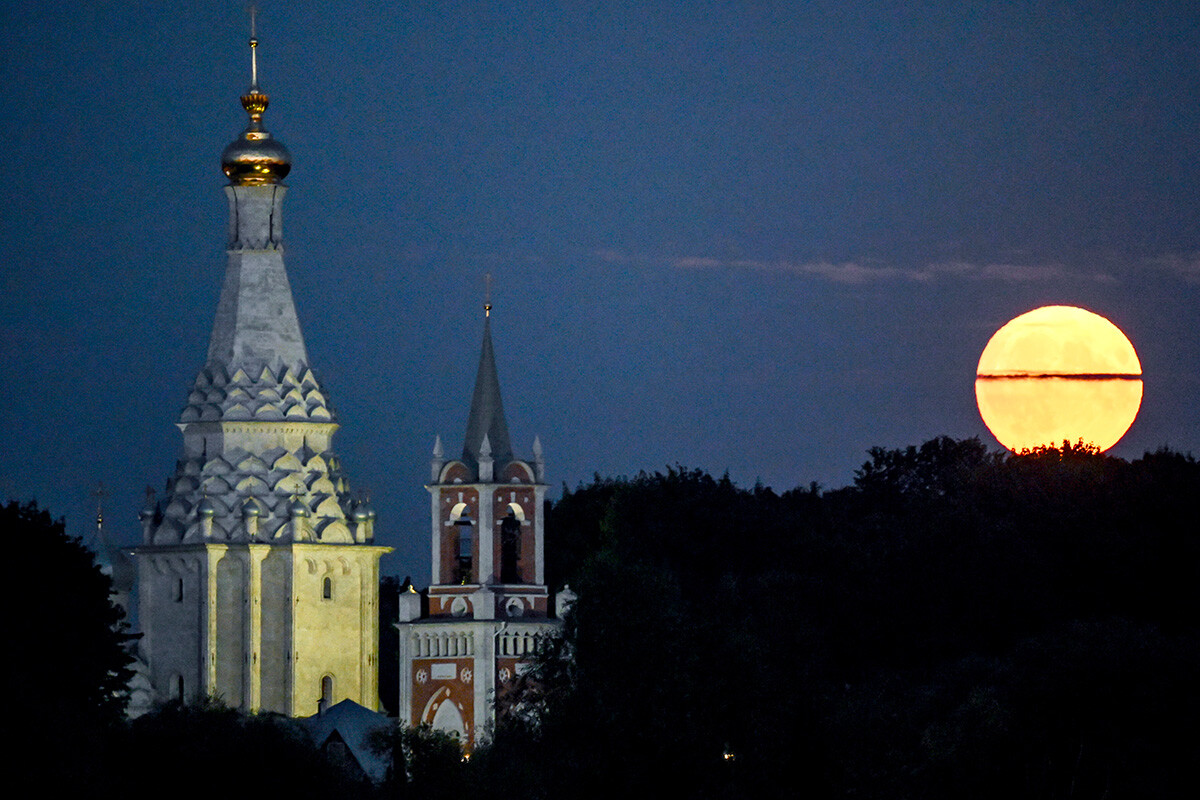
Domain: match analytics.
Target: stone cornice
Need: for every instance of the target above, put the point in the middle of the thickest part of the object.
(253, 425)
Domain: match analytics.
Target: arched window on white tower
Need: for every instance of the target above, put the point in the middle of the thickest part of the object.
(464, 543)
(326, 694)
(510, 544)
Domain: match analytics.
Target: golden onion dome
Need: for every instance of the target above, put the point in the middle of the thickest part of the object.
(254, 158)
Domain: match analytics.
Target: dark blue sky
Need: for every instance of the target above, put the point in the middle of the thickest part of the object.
(757, 237)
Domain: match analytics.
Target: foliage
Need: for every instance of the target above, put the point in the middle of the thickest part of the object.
(937, 468)
(72, 624)
(424, 763)
(73, 671)
(668, 613)
(957, 622)
(1092, 709)
(212, 750)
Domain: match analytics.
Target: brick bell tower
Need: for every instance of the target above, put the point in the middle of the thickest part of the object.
(466, 639)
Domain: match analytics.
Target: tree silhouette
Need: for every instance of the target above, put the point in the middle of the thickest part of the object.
(210, 749)
(69, 660)
(957, 622)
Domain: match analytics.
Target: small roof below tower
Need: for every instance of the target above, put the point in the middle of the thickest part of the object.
(355, 726)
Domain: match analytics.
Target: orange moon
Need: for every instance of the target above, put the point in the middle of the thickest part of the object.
(1058, 373)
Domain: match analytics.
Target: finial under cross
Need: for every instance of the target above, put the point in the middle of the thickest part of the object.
(487, 294)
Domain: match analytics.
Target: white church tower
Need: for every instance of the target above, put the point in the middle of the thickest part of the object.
(258, 578)
(468, 640)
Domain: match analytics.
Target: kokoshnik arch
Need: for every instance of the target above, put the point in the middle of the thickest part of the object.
(258, 576)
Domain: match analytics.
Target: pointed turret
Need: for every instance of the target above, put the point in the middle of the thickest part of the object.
(438, 461)
(112, 560)
(539, 460)
(486, 419)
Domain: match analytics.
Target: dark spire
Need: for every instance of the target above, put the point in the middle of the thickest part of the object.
(112, 560)
(487, 410)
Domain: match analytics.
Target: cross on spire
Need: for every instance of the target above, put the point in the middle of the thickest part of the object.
(99, 493)
(253, 9)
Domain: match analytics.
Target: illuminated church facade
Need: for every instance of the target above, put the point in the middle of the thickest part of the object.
(258, 576)
(468, 640)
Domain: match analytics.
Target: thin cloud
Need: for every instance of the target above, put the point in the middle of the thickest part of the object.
(621, 258)
(850, 272)
(859, 273)
(611, 256)
(845, 272)
(692, 262)
(1185, 266)
(1002, 271)
(856, 273)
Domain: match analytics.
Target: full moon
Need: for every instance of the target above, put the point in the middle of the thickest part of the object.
(1055, 374)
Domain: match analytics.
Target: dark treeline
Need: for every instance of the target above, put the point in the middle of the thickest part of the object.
(958, 622)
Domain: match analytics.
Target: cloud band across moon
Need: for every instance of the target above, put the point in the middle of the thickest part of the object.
(1072, 376)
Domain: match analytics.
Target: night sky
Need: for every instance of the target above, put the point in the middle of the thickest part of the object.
(759, 237)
